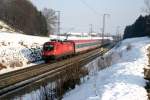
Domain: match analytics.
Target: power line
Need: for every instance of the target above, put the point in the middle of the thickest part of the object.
(88, 6)
(95, 12)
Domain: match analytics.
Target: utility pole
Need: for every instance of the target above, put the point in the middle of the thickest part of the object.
(91, 29)
(104, 26)
(58, 22)
(118, 33)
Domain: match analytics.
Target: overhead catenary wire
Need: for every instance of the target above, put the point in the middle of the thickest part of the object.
(96, 13)
(89, 7)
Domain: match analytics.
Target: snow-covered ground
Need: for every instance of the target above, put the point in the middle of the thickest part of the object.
(19, 51)
(123, 79)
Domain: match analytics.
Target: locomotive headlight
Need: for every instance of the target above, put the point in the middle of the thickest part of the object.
(54, 51)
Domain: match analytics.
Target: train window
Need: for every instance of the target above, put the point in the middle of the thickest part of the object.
(48, 47)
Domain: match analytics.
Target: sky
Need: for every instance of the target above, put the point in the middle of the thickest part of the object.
(77, 15)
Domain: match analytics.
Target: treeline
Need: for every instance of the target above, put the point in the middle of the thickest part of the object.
(22, 15)
(140, 28)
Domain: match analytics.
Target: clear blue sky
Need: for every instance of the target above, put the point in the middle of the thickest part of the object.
(77, 16)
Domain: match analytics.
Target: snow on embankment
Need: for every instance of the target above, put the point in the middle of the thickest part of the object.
(18, 50)
(122, 80)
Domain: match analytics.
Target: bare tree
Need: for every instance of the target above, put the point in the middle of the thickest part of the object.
(51, 19)
(146, 9)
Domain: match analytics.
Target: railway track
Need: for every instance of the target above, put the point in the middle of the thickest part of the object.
(13, 80)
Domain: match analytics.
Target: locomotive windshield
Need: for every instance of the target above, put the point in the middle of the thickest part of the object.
(48, 47)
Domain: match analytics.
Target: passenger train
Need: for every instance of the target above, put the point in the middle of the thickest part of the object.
(56, 49)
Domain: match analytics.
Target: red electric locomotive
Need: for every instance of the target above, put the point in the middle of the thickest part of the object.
(56, 49)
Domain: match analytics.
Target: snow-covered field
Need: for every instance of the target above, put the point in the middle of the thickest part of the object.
(123, 79)
(19, 51)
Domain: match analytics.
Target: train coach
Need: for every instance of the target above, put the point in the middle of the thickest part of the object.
(85, 45)
(56, 49)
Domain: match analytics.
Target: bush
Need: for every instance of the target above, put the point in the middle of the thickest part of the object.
(129, 47)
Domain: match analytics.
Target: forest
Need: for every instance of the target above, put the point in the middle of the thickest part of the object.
(23, 16)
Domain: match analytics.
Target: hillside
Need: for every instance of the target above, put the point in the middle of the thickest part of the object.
(17, 50)
(124, 77)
